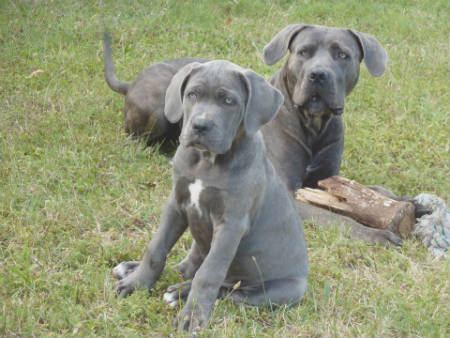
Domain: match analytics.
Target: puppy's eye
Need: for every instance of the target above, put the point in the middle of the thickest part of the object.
(342, 55)
(228, 101)
(192, 95)
(302, 52)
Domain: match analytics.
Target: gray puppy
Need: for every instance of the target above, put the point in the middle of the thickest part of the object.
(225, 189)
(144, 98)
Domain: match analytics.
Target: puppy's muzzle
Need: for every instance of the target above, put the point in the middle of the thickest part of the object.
(201, 125)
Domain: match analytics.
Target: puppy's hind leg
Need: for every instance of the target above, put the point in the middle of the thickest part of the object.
(189, 266)
(287, 291)
(176, 293)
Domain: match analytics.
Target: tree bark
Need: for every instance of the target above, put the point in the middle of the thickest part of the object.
(366, 206)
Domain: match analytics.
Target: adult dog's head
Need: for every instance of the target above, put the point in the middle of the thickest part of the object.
(323, 65)
(218, 101)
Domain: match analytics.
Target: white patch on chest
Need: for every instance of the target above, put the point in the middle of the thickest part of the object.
(195, 190)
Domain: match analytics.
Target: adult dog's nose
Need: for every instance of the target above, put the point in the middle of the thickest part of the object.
(202, 125)
(319, 76)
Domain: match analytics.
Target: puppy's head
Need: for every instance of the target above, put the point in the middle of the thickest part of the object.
(323, 64)
(217, 100)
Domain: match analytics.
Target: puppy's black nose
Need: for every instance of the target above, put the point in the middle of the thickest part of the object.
(201, 125)
(319, 76)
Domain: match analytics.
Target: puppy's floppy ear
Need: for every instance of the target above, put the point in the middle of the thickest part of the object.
(279, 45)
(263, 101)
(374, 55)
(174, 93)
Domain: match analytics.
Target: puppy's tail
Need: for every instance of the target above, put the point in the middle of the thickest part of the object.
(111, 79)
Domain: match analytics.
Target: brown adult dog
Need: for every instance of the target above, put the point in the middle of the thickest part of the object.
(144, 98)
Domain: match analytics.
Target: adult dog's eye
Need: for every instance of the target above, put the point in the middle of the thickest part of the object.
(342, 55)
(228, 101)
(192, 95)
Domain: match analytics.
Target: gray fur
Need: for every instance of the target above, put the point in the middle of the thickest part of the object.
(225, 189)
(305, 141)
(113, 82)
(144, 98)
(304, 144)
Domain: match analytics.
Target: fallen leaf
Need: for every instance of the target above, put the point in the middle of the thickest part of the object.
(36, 73)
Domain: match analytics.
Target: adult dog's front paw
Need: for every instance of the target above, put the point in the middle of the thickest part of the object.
(138, 278)
(387, 238)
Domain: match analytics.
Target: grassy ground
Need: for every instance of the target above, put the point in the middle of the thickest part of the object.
(77, 196)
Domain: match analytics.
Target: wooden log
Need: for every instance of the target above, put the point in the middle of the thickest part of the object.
(349, 198)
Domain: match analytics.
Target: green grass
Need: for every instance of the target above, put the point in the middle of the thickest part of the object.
(77, 196)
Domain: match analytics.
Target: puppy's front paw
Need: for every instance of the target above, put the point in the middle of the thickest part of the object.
(138, 278)
(191, 318)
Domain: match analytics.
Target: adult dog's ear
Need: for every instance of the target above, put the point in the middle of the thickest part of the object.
(263, 101)
(374, 55)
(174, 93)
(280, 43)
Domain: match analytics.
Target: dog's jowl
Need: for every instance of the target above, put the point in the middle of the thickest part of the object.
(249, 241)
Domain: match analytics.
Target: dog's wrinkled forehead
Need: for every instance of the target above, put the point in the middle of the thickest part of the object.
(326, 37)
(217, 74)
